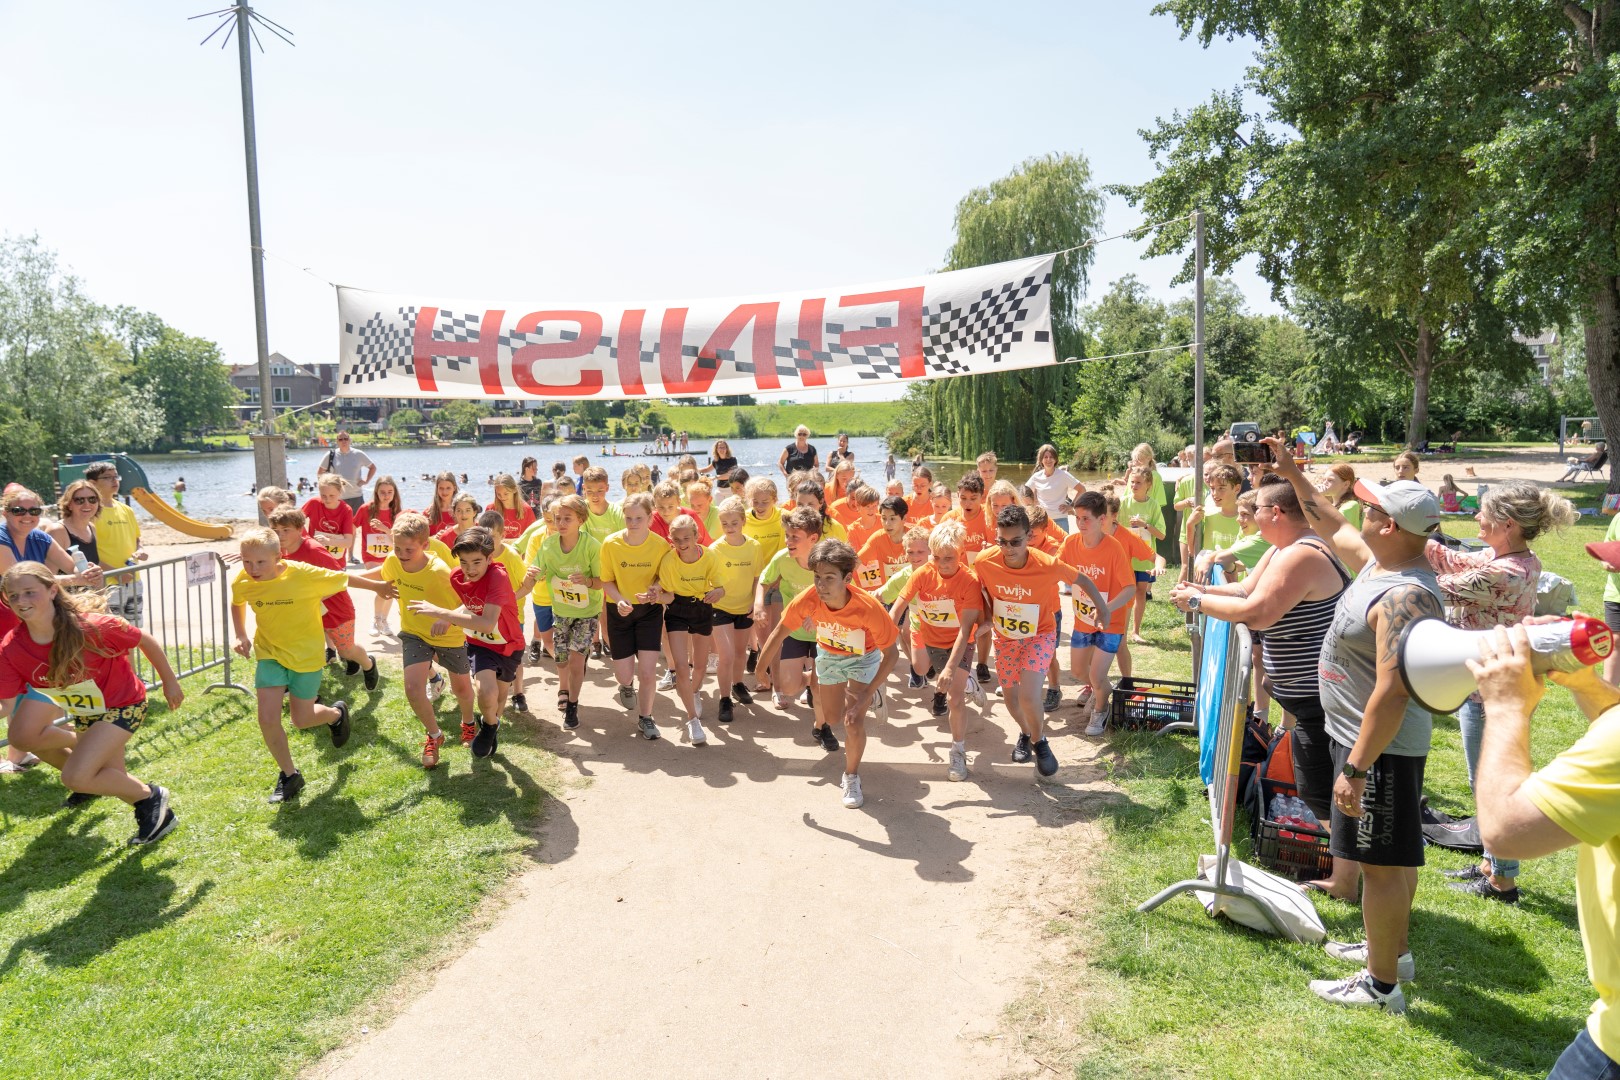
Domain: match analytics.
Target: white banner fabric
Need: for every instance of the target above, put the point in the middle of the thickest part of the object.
(961, 322)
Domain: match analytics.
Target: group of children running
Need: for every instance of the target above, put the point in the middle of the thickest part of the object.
(818, 594)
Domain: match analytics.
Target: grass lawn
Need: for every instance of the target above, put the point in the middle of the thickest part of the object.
(242, 944)
(778, 421)
(1499, 991)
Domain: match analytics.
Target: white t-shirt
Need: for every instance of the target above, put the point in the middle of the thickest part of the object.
(1050, 491)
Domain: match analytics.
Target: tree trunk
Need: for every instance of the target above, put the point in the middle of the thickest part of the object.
(1603, 364)
(1422, 371)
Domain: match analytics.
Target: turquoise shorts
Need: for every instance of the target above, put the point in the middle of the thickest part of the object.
(832, 669)
(303, 685)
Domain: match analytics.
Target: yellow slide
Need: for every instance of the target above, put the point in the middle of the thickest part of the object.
(174, 519)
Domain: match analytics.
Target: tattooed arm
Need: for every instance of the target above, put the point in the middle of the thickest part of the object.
(1320, 513)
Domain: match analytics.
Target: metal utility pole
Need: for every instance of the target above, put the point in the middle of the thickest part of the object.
(1198, 357)
(269, 449)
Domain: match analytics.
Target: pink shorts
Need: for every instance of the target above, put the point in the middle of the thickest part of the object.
(342, 635)
(1016, 657)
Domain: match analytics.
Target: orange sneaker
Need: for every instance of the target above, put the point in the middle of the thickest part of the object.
(430, 751)
(469, 732)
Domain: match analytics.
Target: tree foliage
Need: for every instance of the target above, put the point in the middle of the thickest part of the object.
(188, 378)
(459, 419)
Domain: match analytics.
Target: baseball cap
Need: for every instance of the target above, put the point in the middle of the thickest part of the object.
(1605, 551)
(1412, 506)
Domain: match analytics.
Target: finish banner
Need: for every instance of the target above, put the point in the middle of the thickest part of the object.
(961, 322)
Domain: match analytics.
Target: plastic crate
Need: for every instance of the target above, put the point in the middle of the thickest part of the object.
(1149, 704)
(1295, 851)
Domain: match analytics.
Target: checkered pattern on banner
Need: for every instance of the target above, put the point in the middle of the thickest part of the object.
(383, 345)
(988, 326)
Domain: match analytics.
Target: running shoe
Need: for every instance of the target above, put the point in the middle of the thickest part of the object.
(351, 668)
(695, 732)
(649, 730)
(1085, 696)
(742, 694)
(712, 665)
(824, 735)
(340, 728)
(666, 681)
(534, 652)
(958, 769)
(1022, 752)
(380, 627)
(976, 692)
(1359, 992)
(519, 703)
(879, 704)
(1356, 953)
(469, 731)
(809, 697)
(915, 681)
(488, 737)
(1054, 698)
(725, 710)
(287, 787)
(571, 716)
(940, 706)
(1471, 872)
(153, 818)
(1045, 760)
(1098, 721)
(753, 661)
(435, 688)
(853, 799)
(627, 696)
(430, 751)
(982, 672)
(373, 675)
(1482, 887)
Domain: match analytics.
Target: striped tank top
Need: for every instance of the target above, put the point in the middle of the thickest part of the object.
(1294, 642)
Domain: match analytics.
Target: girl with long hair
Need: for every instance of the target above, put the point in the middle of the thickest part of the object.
(517, 514)
(445, 490)
(376, 522)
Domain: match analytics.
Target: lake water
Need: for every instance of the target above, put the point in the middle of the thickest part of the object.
(221, 485)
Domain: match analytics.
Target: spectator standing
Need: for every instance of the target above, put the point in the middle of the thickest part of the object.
(799, 456)
(1052, 485)
(355, 467)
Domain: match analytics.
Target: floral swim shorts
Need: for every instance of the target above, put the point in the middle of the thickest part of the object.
(1017, 656)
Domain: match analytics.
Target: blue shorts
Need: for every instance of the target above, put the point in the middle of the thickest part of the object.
(1144, 576)
(832, 669)
(303, 685)
(543, 618)
(1108, 643)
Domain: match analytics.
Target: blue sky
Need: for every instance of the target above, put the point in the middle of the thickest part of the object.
(569, 153)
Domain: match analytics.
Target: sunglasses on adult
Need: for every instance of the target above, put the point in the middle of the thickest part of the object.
(24, 511)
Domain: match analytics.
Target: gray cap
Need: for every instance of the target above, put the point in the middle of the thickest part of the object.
(1413, 506)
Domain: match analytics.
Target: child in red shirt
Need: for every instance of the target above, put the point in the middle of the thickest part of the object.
(337, 610)
(331, 522)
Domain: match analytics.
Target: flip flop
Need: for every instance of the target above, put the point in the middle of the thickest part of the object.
(9, 766)
(1309, 887)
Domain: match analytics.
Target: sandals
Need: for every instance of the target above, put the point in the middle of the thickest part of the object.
(28, 762)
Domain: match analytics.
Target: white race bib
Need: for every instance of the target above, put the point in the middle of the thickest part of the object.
(1015, 620)
(567, 593)
(492, 638)
(895, 566)
(81, 699)
(841, 638)
(338, 553)
(1085, 611)
(379, 545)
(869, 576)
(941, 613)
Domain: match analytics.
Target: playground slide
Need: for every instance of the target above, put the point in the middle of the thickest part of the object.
(174, 519)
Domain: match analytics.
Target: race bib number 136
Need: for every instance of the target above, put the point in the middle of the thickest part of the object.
(1015, 620)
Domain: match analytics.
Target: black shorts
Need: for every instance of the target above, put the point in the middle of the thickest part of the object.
(689, 615)
(1611, 615)
(1313, 755)
(740, 622)
(504, 665)
(795, 649)
(1390, 832)
(640, 631)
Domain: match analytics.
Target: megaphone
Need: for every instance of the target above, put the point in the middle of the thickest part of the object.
(1432, 656)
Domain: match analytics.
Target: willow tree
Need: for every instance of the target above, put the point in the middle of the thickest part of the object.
(1046, 204)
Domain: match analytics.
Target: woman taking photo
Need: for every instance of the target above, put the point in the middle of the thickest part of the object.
(1052, 485)
(1495, 587)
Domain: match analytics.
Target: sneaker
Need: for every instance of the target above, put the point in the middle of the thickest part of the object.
(1098, 721)
(340, 728)
(1054, 698)
(940, 707)
(982, 672)
(599, 650)
(879, 704)
(430, 751)
(713, 664)
(1471, 872)
(915, 681)
(824, 735)
(1358, 991)
(379, 626)
(153, 818)
(1085, 696)
(853, 799)
(488, 737)
(666, 681)
(1045, 760)
(519, 703)
(435, 689)
(649, 730)
(287, 787)
(779, 699)
(627, 696)
(469, 731)
(1356, 953)
(976, 692)
(373, 675)
(78, 799)
(331, 654)
(809, 698)
(753, 661)
(1482, 887)
(725, 710)
(695, 732)
(958, 770)
(535, 654)
(571, 716)
(351, 668)
(741, 694)
(1022, 752)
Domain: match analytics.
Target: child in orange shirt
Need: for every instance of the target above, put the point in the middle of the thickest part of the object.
(884, 553)
(1098, 628)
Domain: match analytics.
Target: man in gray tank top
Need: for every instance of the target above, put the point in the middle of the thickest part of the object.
(1379, 736)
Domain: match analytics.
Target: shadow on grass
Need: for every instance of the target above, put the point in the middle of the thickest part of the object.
(320, 824)
(136, 897)
(67, 848)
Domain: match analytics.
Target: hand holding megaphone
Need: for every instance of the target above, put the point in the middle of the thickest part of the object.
(1433, 657)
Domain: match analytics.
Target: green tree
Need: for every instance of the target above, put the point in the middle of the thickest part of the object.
(459, 419)
(1356, 181)
(188, 377)
(404, 418)
(1047, 204)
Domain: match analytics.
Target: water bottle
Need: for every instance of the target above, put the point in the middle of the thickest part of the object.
(79, 561)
